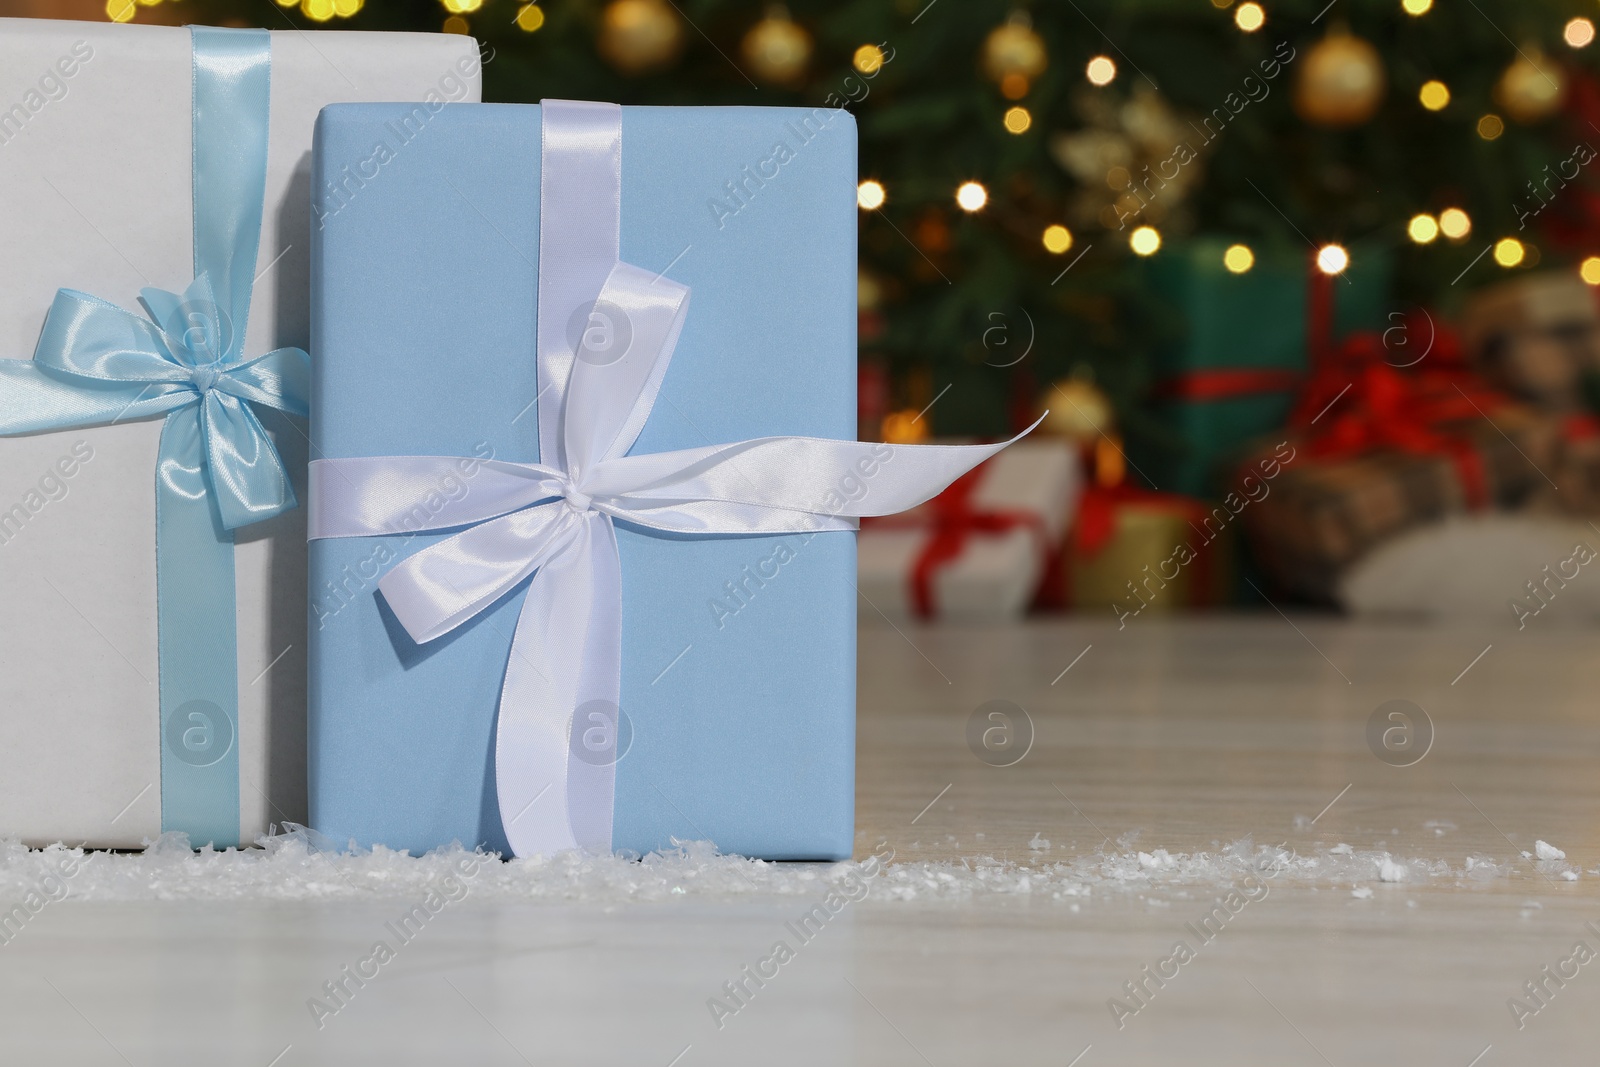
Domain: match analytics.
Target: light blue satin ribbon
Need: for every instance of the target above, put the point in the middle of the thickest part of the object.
(216, 470)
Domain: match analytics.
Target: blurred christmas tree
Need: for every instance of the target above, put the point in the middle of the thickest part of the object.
(1019, 159)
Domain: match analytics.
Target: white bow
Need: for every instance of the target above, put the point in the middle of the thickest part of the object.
(607, 331)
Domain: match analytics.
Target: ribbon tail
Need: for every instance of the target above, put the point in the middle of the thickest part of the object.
(778, 484)
(560, 720)
(196, 626)
(37, 401)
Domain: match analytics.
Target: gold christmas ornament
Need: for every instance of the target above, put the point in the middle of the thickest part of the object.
(1341, 81)
(1079, 410)
(1532, 87)
(1136, 161)
(637, 36)
(777, 48)
(1013, 51)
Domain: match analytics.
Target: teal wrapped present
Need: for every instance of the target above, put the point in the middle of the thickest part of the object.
(1228, 374)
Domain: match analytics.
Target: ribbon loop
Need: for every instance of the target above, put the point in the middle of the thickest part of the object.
(84, 337)
(621, 355)
(448, 583)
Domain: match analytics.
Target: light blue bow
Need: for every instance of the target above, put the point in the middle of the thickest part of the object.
(216, 470)
(97, 363)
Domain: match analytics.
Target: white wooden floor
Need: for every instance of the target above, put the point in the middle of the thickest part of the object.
(1182, 736)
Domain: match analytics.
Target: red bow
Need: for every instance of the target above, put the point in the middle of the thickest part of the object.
(1357, 402)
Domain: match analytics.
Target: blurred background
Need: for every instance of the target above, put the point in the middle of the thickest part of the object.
(1308, 287)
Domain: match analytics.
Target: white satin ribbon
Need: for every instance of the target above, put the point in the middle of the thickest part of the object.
(553, 521)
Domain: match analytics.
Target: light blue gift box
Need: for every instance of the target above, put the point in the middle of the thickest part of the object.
(738, 653)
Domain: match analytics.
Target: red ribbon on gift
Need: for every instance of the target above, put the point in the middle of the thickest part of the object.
(1227, 382)
(1365, 404)
(952, 519)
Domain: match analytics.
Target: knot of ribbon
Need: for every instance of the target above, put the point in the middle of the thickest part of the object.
(600, 383)
(216, 470)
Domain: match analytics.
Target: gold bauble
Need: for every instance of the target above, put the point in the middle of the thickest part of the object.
(1341, 81)
(1013, 49)
(637, 36)
(1078, 410)
(1532, 87)
(777, 48)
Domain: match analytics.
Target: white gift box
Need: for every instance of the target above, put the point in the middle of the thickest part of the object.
(997, 572)
(95, 176)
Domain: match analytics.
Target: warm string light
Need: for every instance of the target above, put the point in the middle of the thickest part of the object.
(868, 59)
(324, 10)
(1332, 259)
(315, 10)
(1454, 223)
(530, 18)
(1509, 252)
(971, 196)
(1422, 229)
(1249, 17)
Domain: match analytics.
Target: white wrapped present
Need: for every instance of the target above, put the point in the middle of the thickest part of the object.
(980, 549)
(101, 142)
